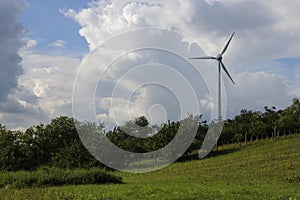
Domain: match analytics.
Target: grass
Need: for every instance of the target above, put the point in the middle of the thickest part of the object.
(54, 177)
(261, 170)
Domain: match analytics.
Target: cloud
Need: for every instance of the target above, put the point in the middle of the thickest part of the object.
(263, 34)
(11, 39)
(40, 88)
(58, 43)
(21, 110)
(288, 69)
(261, 28)
(44, 91)
(29, 43)
(50, 79)
(124, 90)
(256, 90)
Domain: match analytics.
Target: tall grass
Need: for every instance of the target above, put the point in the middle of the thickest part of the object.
(56, 177)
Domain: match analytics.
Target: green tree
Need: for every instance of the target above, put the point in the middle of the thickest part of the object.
(141, 121)
(270, 118)
(11, 156)
(289, 121)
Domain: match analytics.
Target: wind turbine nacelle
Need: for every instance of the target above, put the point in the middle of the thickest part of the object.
(219, 57)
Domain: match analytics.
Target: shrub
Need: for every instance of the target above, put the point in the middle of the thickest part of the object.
(56, 177)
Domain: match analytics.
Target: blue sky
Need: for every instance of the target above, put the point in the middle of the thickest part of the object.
(47, 24)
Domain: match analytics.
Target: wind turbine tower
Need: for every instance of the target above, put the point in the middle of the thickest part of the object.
(219, 58)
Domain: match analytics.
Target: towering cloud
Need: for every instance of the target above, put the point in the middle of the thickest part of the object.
(263, 34)
(11, 35)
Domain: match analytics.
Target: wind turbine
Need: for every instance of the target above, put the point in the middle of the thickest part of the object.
(219, 58)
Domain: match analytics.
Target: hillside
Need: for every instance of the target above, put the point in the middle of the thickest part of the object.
(265, 169)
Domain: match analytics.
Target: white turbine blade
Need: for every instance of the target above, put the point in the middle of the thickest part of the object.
(204, 57)
(224, 68)
(226, 46)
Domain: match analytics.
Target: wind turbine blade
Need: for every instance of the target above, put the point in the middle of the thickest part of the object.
(224, 68)
(226, 46)
(205, 57)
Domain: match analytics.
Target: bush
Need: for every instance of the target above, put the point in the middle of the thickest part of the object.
(56, 177)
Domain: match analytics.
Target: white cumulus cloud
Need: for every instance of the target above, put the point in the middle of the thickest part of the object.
(263, 34)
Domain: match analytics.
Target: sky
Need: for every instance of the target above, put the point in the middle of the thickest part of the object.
(114, 60)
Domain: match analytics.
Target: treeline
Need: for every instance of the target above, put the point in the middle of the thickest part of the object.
(58, 145)
(247, 126)
(253, 125)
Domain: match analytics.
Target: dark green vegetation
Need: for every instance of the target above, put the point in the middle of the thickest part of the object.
(58, 145)
(53, 177)
(265, 169)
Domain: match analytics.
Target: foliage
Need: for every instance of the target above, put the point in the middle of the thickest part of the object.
(57, 144)
(249, 125)
(11, 155)
(55, 177)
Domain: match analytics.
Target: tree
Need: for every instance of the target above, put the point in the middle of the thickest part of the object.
(289, 121)
(74, 156)
(141, 121)
(11, 156)
(269, 118)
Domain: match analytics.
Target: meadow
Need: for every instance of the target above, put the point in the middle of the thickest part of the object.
(266, 169)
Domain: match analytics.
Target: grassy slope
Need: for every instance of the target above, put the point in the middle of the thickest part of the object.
(261, 170)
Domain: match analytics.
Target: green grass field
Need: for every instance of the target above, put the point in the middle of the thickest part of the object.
(261, 170)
